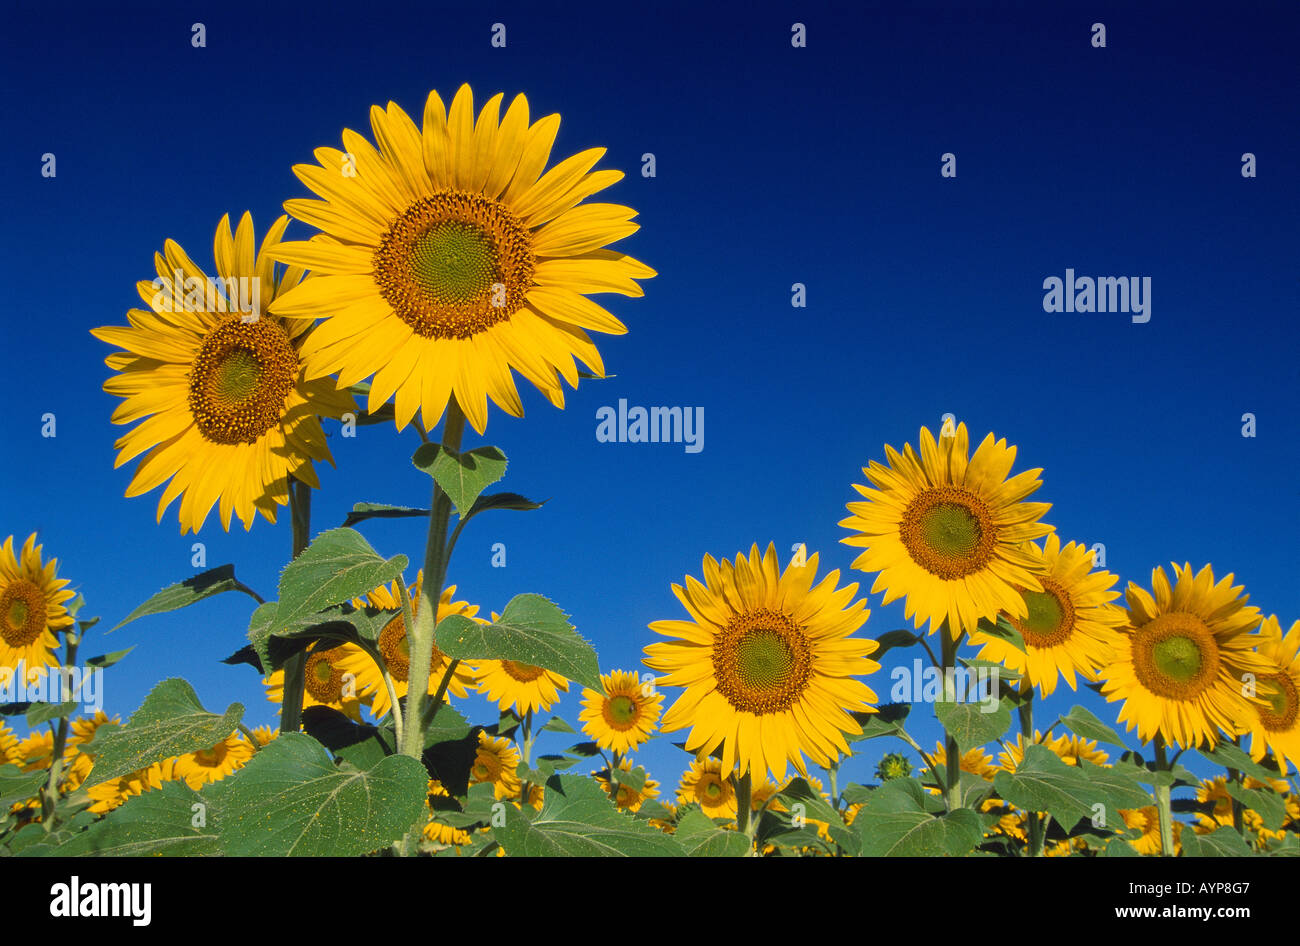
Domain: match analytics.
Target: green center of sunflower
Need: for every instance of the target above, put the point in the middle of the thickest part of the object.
(324, 681)
(1284, 703)
(622, 709)
(23, 606)
(240, 379)
(455, 264)
(948, 531)
(712, 790)
(1051, 616)
(762, 661)
(1175, 655)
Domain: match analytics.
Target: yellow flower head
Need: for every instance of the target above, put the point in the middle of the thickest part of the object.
(31, 610)
(624, 716)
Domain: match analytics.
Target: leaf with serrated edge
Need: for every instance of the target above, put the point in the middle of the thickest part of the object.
(1043, 782)
(338, 566)
(579, 820)
(530, 630)
(462, 476)
(1083, 723)
(171, 721)
(896, 822)
(700, 837)
(212, 582)
(159, 823)
(970, 725)
(294, 802)
(363, 511)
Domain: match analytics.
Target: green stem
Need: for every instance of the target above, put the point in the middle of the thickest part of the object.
(833, 774)
(744, 798)
(252, 739)
(50, 793)
(295, 667)
(420, 634)
(1027, 731)
(952, 752)
(1237, 807)
(1164, 803)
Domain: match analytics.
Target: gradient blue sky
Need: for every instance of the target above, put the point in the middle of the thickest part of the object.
(775, 165)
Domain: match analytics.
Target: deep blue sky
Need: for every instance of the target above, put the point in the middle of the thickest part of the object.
(775, 165)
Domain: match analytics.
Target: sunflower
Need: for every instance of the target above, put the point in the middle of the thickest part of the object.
(395, 647)
(1069, 749)
(230, 416)
(1071, 626)
(1275, 727)
(82, 731)
(947, 533)
(626, 797)
(761, 794)
(112, 794)
(1147, 820)
(447, 259)
(975, 761)
(8, 745)
(623, 717)
(214, 764)
(518, 686)
(328, 679)
(31, 609)
(767, 664)
(437, 831)
(36, 753)
(265, 735)
(1213, 790)
(1179, 666)
(496, 762)
(705, 784)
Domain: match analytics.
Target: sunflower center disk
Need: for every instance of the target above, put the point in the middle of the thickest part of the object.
(1051, 616)
(762, 661)
(1284, 700)
(621, 711)
(948, 531)
(396, 649)
(240, 379)
(324, 681)
(524, 673)
(454, 265)
(23, 608)
(211, 758)
(1175, 656)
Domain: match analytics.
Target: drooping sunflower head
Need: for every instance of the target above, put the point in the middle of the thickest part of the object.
(447, 259)
(1070, 626)
(947, 532)
(1186, 661)
(1275, 723)
(496, 762)
(31, 609)
(214, 763)
(767, 663)
(217, 385)
(708, 785)
(626, 797)
(624, 716)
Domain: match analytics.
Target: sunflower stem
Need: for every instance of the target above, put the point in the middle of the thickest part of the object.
(295, 667)
(50, 793)
(744, 795)
(426, 618)
(1237, 807)
(952, 752)
(1026, 711)
(1164, 803)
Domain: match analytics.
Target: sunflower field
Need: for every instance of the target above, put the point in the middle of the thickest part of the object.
(452, 255)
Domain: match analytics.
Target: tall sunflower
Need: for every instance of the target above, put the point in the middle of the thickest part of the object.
(395, 647)
(1181, 664)
(31, 608)
(1071, 625)
(1275, 727)
(447, 258)
(767, 664)
(518, 686)
(217, 384)
(623, 717)
(947, 533)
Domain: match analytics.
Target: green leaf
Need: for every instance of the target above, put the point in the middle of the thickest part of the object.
(363, 511)
(632, 778)
(700, 837)
(462, 476)
(163, 822)
(292, 801)
(17, 785)
(1003, 630)
(891, 639)
(799, 792)
(1266, 803)
(360, 744)
(39, 713)
(886, 721)
(1043, 782)
(212, 582)
(171, 721)
(579, 820)
(1223, 842)
(338, 566)
(1232, 757)
(970, 725)
(1083, 723)
(503, 501)
(530, 630)
(107, 660)
(557, 724)
(897, 821)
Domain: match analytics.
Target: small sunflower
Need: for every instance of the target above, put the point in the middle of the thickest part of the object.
(214, 764)
(112, 794)
(82, 731)
(518, 686)
(1181, 663)
(1071, 625)
(496, 762)
(31, 609)
(1147, 820)
(395, 647)
(437, 831)
(8, 745)
(767, 663)
(36, 753)
(947, 533)
(623, 717)
(230, 415)
(327, 679)
(265, 735)
(1213, 790)
(1069, 749)
(705, 784)
(628, 798)
(447, 259)
(895, 765)
(1275, 727)
(975, 761)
